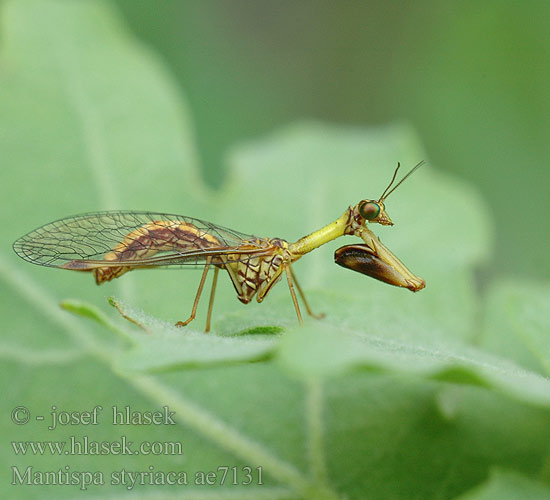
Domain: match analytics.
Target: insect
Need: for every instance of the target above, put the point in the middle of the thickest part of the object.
(109, 244)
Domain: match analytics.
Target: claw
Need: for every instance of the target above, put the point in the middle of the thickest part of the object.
(361, 258)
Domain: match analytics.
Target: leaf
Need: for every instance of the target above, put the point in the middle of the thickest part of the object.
(382, 329)
(320, 352)
(504, 485)
(517, 324)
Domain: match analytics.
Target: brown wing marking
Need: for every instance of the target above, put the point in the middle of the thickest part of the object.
(143, 243)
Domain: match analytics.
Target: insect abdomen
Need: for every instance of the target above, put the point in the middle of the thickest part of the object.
(145, 242)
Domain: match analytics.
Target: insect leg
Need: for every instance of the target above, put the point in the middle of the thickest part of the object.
(198, 296)
(211, 303)
(293, 293)
(302, 295)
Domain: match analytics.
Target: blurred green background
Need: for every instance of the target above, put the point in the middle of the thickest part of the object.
(472, 78)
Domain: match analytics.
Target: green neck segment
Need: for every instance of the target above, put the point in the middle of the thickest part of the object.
(320, 237)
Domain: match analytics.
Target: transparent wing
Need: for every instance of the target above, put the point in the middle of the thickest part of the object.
(132, 239)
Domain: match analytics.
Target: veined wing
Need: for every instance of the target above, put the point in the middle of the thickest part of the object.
(132, 239)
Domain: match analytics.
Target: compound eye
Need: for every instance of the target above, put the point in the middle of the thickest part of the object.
(369, 210)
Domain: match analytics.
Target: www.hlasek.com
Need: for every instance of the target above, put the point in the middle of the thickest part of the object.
(86, 446)
(65, 476)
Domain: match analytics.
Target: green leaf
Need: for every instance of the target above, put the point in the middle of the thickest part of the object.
(317, 351)
(384, 398)
(504, 485)
(517, 323)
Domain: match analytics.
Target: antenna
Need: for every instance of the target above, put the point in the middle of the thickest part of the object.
(385, 194)
(391, 182)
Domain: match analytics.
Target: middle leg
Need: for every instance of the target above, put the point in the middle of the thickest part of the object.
(303, 297)
(288, 272)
